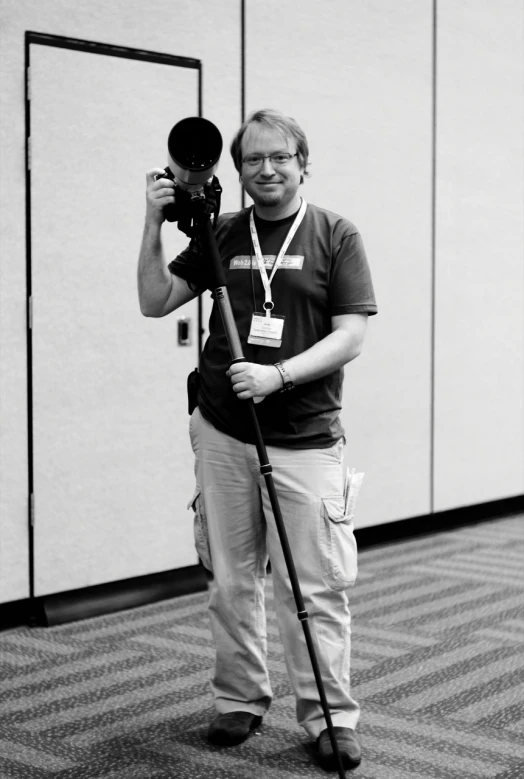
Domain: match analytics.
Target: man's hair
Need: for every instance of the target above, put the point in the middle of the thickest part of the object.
(272, 120)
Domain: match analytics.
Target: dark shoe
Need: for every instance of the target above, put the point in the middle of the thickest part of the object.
(348, 746)
(232, 728)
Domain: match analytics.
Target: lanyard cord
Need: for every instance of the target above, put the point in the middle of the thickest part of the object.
(268, 303)
(252, 278)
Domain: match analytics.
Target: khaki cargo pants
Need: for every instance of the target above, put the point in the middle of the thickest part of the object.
(235, 533)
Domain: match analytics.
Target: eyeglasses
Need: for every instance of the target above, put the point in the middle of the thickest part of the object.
(281, 158)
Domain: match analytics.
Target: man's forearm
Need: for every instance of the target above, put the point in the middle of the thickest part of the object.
(154, 279)
(325, 357)
(341, 346)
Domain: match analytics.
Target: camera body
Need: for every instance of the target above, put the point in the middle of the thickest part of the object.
(174, 211)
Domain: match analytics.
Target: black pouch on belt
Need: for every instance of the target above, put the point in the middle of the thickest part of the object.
(193, 385)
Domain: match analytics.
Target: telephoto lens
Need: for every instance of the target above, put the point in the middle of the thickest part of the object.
(194, 147)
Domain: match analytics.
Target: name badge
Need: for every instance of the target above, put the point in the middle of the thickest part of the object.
(266, 330)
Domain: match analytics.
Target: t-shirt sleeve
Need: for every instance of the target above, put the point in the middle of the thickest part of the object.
(190, 266)
(351, 288)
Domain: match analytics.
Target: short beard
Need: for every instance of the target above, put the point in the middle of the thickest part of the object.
(268, 200)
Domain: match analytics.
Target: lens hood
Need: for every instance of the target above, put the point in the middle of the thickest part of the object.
(194, 147)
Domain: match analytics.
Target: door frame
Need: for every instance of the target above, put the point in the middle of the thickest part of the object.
(108, 50)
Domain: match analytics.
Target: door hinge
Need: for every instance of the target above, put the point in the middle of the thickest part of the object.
(29, 95)
(30, 312)
(32, 509)
(29, 153)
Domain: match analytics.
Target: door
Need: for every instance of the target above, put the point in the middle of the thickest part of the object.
(111, 460)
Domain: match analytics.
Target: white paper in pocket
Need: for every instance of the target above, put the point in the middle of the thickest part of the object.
(351, 490)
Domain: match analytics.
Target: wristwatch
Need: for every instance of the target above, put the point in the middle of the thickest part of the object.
(287, 384)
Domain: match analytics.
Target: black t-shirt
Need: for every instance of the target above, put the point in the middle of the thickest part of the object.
(324, 273)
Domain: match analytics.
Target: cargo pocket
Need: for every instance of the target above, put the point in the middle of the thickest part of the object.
(338, 548)
(200, 529)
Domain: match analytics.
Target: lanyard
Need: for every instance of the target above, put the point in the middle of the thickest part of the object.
(268, 303)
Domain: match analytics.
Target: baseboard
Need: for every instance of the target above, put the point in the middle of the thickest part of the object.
(440, 520)
(15, 614)
(102, 599)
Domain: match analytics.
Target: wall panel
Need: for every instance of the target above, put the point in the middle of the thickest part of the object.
(358, 77)
(479, 337)
(183, 29)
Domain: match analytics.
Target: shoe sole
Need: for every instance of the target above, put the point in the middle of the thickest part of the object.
(331, 764)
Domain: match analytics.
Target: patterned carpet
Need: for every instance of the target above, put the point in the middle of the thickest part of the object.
(437, 665)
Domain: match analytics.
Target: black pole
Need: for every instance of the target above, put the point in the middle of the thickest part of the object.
(210, 249)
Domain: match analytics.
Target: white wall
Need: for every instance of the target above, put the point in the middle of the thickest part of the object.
(433, 426)
(362, 89)
(358, 77)
(479, 355)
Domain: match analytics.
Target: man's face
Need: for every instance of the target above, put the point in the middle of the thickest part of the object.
(270, 186)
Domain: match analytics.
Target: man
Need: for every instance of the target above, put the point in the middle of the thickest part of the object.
(304, 272)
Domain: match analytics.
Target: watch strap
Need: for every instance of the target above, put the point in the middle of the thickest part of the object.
(287, 384)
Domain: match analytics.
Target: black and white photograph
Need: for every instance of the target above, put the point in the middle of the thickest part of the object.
(261, 389)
